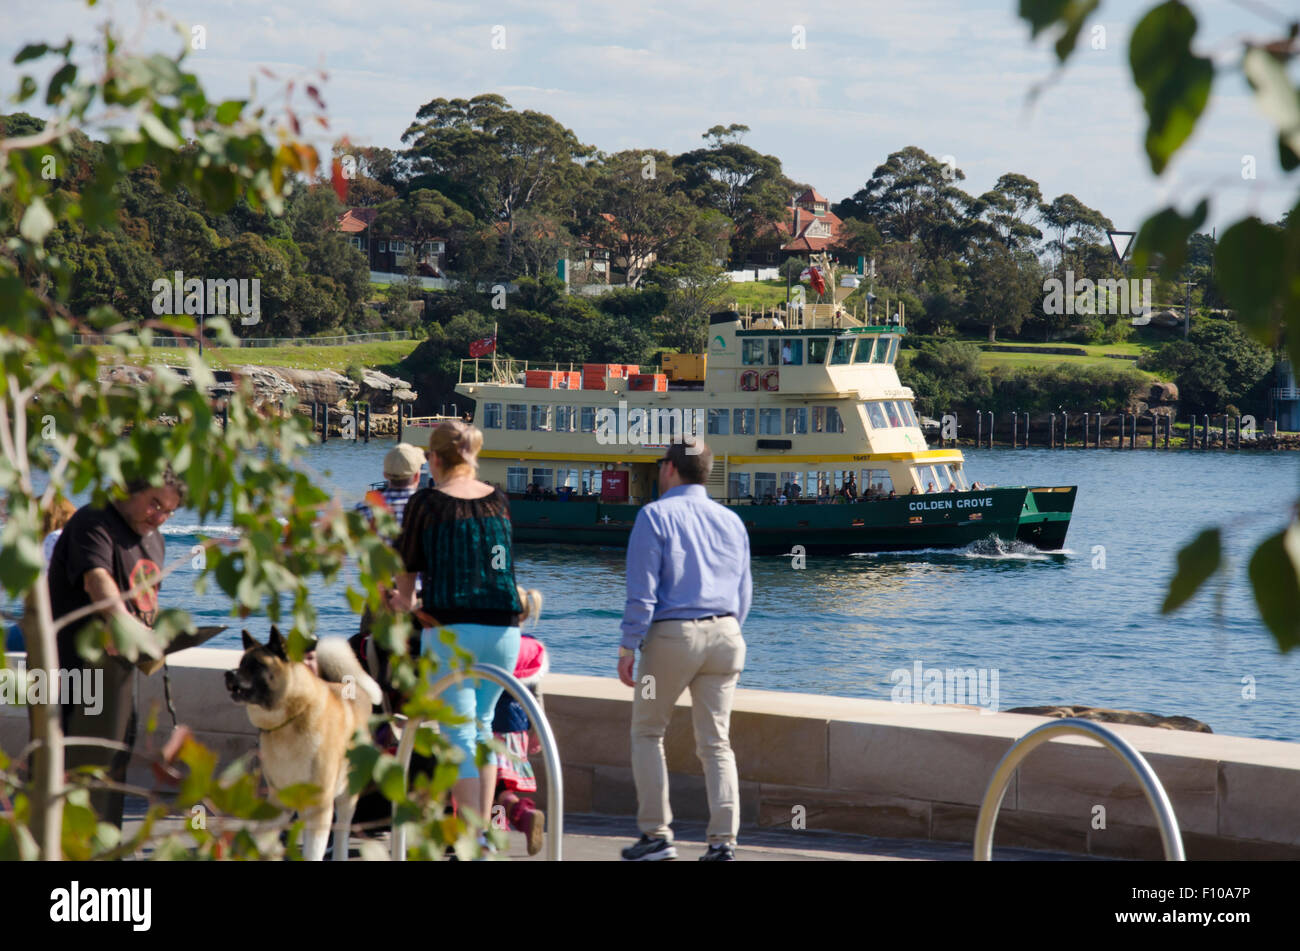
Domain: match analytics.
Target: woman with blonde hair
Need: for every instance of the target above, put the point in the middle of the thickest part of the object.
(457, 536)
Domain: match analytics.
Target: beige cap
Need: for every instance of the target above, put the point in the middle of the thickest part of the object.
(403, 462)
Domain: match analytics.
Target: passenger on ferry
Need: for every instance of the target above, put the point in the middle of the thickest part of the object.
(915, 491)
(931, 489)
(893, 494)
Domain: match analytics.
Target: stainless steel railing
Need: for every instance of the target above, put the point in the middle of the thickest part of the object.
(1170, 836)
(550, 753)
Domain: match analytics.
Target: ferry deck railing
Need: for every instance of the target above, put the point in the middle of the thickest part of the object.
(1170, 836)
(550, 753)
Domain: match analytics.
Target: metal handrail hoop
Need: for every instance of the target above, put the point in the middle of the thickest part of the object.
(550, 753)
(1170, 836)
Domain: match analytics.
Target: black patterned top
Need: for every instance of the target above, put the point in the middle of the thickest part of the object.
(463, 550)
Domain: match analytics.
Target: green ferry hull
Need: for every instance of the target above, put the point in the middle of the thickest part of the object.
(1040, 517)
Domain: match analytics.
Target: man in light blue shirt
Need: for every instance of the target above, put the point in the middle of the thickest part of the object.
(688, 592)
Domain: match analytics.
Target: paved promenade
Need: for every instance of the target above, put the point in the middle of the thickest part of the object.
(590, 838)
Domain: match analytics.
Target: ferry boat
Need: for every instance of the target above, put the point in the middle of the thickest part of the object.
(816, 443)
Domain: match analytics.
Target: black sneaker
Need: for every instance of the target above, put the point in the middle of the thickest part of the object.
(719, 853)
(647, 849)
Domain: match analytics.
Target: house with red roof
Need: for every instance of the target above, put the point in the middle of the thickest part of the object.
(390, 253)
(808, 228)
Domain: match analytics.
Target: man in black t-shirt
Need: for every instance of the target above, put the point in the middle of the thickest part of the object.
(101, 555)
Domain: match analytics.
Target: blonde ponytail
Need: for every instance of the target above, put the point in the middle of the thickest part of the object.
(530, 600)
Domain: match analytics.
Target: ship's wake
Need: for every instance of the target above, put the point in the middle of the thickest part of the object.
(991, 548)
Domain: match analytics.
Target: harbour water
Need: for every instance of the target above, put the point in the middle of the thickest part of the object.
(1081, 626)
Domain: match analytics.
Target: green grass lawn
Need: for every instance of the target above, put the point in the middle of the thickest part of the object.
(756, 294)
(378, 355)
(989, 359)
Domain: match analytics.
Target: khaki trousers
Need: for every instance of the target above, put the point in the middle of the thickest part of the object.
(707, 657)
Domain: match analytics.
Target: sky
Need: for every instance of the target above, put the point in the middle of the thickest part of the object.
(831, 88)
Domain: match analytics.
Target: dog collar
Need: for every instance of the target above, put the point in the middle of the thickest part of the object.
(284, 724)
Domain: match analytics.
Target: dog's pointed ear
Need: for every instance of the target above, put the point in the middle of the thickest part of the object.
(249, 643)
(276, 644)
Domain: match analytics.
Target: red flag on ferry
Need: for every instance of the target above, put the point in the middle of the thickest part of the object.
(815, 278)
(480, 348)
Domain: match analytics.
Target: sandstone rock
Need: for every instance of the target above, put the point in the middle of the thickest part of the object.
(1130, 717)
(315, 386)
(1163, 393)
(385, 392)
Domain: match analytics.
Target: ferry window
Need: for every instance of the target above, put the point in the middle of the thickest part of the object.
(588, 419)
(819, 419)
(564, 418)
(516, 416)
(567, 479)
(517, 479)
(792, 352)
(751, 353)
(893, 349)
(543, 477)
(876, 415)
(866, 347)
(882, 351)
(909, 414)
(876, 483)
(590, 481)
(834, 422)
(769, 422)
(742, 422)
(542, 417)
(764, 485)
(817, 348)
(738, 488)
(491, 415)
(796, 420)
(719, 422)
(892, 412)
(843, 352)
(773, 352)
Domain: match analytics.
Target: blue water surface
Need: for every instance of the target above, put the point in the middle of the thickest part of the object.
(1081, 627)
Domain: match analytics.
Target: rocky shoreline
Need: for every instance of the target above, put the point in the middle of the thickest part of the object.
(274, 386)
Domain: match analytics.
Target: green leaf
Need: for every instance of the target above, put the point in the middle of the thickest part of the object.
(158, 131)
(229, 111)
(1196, 562)
(31, 51)
(65, 74)
(1274, 94)
(1166, 234)
(1249, 265)
(392, 783)
(300, 796)
(37, 222)
(363, 760)
(1275, 576)
(1175, 83)
(1287, 158)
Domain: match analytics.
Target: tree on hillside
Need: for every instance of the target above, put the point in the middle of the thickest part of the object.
(1002, 289)
(737, 181)
(372, 174)
(1005, 213)
(693, 292)
(493, 161)
(913, 196)
(639, 209)
(420, 217)
(1074, 224)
